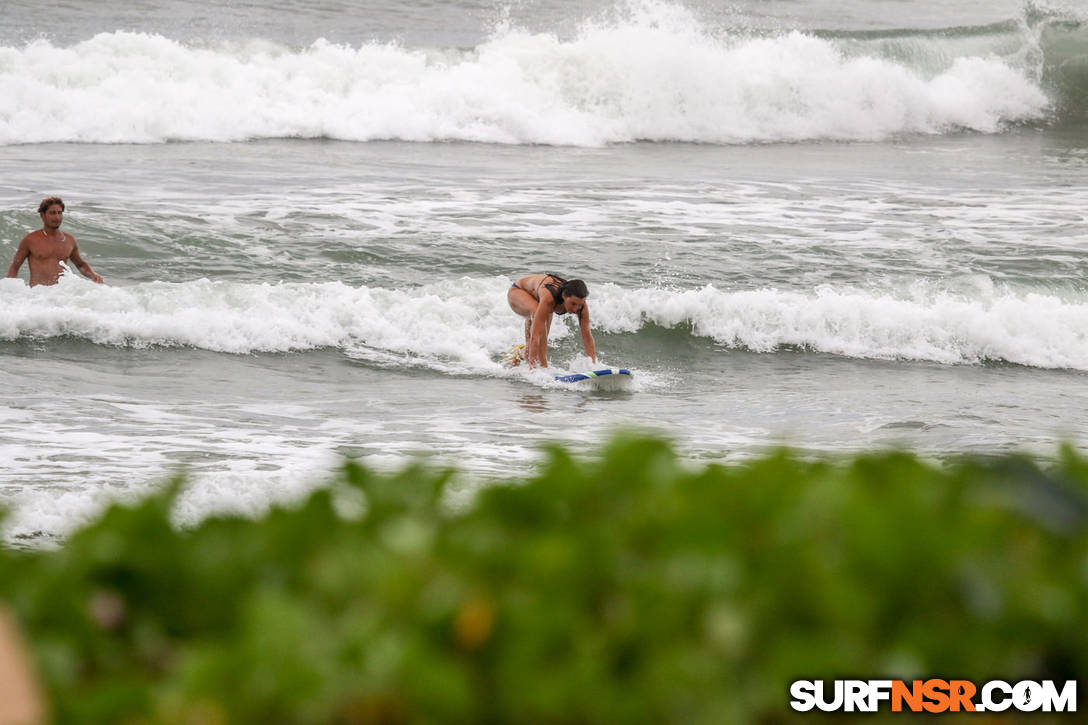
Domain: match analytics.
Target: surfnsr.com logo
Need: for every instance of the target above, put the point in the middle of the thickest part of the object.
(933, 696)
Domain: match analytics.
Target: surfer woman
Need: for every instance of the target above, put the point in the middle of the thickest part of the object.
(536, 298)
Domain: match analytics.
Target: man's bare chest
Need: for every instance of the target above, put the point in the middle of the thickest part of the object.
(46, 249)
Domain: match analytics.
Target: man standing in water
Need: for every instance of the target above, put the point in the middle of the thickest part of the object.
(539, 296)
(48, 247)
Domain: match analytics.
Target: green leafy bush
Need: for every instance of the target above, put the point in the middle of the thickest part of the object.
(627, 589)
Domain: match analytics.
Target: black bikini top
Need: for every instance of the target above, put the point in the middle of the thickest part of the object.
(556, 289)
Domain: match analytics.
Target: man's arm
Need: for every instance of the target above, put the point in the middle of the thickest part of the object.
(20, 256)
(587, 336)
(82, 266)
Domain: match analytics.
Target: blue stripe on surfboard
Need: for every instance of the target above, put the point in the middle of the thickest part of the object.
(578, 377)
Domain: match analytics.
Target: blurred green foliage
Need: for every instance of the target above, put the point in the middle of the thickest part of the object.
(630, 588)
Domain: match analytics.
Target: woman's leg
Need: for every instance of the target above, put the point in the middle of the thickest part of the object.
(523, 304)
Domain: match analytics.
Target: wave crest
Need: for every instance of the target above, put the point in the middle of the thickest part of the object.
(444, 326)
(652, 72)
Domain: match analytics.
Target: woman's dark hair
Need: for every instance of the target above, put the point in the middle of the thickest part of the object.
(574, 288)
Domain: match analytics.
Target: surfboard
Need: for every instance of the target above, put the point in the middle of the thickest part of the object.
(605, 379)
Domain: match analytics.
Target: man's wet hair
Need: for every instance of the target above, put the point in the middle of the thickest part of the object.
(574, 288)
(48, 202)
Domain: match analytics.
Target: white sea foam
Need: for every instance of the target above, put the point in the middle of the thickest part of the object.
(654, 72)
(463, 326)
(250, 468)
(246, 453)
(921, 322)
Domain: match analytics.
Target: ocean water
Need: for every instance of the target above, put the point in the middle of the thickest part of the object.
(836, 225)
